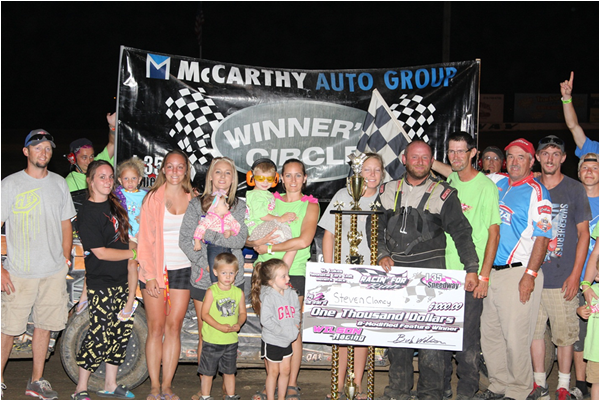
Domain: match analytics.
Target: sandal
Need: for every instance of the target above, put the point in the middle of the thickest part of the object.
(260, 395)
(154, 397)
(361, 396)
(120, 392)
(169, 396)
(341, 396)
(82, 395)
(293, 396)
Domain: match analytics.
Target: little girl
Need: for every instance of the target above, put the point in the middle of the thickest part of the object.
(130, 173)
(279, 310)
(260, 202)
(218, 219)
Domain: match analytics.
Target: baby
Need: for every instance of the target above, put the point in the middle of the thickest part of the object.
(217, 219)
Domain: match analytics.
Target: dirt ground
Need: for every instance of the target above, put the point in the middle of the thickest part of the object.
(315, 383)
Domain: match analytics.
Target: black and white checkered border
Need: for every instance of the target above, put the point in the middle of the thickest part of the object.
(196, 117)
(414, 115)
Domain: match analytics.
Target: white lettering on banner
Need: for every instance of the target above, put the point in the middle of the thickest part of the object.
(265, 130)
(309, 156)
(343, 307)
(190, 71)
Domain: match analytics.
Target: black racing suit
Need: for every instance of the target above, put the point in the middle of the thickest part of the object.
(411, 232)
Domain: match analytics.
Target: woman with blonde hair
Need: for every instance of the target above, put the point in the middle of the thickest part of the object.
(165, 270)
(220, 178)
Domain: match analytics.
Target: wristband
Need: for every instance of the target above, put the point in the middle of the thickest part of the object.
(113, 128)
(68, 262)
(134, 254)
(484, 278)
(531, 273)
(270, 249)
(150, 279)
(566, 101)
(586, 283)
(582, 291)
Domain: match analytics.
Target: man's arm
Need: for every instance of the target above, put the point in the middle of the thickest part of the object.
(571, 284)
(566, 89)
(441, 168)
(527, 283)
(488, 260)
(7, 285)
(67, 238)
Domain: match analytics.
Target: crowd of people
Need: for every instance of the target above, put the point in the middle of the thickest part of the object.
(526, 242)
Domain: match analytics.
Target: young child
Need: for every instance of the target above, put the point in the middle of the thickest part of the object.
(217, 219)
(129, 175)
(589, 311)
(223, 313)
(260, 203)
(279, 309)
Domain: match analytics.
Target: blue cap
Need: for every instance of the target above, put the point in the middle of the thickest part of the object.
(37, 136)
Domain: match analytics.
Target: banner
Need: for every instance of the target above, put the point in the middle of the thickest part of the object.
(364, 305)
(209, 108)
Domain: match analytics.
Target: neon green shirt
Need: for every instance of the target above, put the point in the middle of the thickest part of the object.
(76, 180)
(479, 201)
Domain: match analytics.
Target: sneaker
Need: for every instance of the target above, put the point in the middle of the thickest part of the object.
(3, 387)
(447, 394)
(576, 393)
(488, 395)
(232, 397)
(563, 394)
(539, 392)
(41, 389)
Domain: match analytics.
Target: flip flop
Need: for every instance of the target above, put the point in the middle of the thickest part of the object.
(154, 397)
(169, 396)
(82, 395)
(261, 394)
(120, 392)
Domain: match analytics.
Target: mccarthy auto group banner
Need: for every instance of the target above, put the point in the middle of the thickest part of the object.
(208, 108)
(364, 305)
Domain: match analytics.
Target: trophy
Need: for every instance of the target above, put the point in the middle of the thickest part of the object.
(355, 185)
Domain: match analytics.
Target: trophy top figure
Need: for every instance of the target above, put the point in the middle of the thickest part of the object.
(357, 159)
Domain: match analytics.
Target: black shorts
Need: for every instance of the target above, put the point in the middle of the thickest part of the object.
(198, 294)
(218, 356)
(273, 353)
(297, 283)
(178, 279)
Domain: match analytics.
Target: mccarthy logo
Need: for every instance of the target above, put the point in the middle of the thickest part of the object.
(157, 67)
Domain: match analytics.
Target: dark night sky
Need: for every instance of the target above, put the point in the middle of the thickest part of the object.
(60, 60)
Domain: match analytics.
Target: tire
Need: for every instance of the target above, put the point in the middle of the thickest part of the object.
(132, 372)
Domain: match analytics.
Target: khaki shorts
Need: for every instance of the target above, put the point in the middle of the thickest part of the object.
(46, 296)
(591, 372)
(563, 318)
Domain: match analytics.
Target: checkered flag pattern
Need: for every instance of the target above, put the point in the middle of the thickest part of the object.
(414, 115)
(383, 134)
(196, 117)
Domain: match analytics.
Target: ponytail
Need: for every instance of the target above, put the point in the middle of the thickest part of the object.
(262, 274)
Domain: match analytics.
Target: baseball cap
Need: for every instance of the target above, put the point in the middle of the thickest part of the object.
(495, 150)
(588, 157)
(523, 144)
(37, 136)
(551, 140)
(80, 143)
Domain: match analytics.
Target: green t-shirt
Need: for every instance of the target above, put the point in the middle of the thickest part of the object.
(76, 180)
(299, 207)
(259, 204)
(479, 201)
(225, 309)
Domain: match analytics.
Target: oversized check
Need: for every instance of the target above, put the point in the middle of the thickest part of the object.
(363, 305)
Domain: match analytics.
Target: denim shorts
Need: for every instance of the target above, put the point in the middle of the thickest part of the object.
(298, 284)
(221, 356)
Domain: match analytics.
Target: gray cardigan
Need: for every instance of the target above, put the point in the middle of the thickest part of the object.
(198, 258)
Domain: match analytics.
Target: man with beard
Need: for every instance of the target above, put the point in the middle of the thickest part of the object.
(37, 209)
(588, 175)
(479, 201)
(512, 303)
(562, 267)
(417, 210)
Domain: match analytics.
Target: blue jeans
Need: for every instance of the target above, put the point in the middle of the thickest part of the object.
(211, 253)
